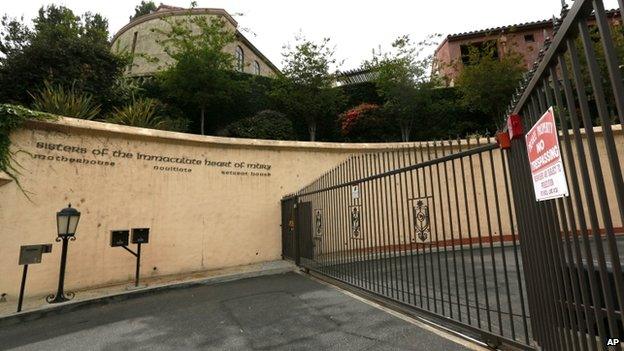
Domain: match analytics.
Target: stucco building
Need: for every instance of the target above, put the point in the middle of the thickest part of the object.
(525, 39)
(140, 38)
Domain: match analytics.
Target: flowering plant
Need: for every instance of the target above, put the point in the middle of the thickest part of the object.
(351, 118)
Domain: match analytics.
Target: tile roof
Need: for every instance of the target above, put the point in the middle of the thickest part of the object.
(526, 25)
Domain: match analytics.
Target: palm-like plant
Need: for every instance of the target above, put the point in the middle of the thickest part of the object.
(70, 102)
(140, 113)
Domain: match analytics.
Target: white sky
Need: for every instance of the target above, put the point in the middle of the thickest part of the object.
(355, 27)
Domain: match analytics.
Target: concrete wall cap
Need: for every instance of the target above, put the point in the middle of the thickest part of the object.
(4, 178)
(66, 124)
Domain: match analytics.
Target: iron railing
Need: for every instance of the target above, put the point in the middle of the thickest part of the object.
(453, 229)
(572, 246)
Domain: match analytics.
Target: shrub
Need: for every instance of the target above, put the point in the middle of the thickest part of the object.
(366, 123)
(60, 101)
(12, 117)
(146, 113)
(266, 124)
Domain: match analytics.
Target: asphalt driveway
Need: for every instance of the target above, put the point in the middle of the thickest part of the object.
(278, 312)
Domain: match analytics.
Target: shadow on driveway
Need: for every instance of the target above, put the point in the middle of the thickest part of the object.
(278, 312)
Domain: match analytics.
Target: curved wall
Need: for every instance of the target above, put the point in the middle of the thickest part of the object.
(210, 202)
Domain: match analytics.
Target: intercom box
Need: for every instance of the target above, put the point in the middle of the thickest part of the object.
(31, 254)
(140, 235)
(119, 238)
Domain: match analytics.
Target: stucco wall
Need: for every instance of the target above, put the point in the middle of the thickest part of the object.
(211, 203)
(201, 216)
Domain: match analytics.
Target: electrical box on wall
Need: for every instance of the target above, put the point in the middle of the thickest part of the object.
(31, 254)
(119, 237)
(140, 235)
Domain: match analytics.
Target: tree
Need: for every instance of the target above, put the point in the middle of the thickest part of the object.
(304, 89)
(403, 81)
(200, 74)
(488, 82)
(60, 48)
(144, 8)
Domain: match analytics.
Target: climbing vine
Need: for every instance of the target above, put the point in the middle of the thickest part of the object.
(12, 117)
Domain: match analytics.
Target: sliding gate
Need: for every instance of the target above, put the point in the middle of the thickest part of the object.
(429, 226)
(455, 230)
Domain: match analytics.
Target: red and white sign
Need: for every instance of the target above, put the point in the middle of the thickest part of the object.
(549, 180)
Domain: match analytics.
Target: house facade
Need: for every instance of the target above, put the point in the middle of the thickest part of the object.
(525, 39)
(140, 38)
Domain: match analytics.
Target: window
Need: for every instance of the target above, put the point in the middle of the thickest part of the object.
(132, 49)
(529, 38)
(240, 59)
(134, 42)
(256, 68)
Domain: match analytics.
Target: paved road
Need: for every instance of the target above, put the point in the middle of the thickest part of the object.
(279, 312)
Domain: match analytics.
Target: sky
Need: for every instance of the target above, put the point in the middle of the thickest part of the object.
(355, 27)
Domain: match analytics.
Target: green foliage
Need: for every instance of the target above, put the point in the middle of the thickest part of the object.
(309, 63)
(366, 123)
(304, 89)
(402, 77)
(617, 34)
(360, 93)
(61, 48)
(487, 82)
(144, 8)
(65, 102)
(12, 117)
(447, 117)
(145, 113)
(266, 124)
(199, 78)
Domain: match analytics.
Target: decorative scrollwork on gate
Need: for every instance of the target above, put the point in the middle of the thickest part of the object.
(421, 220)
(318, 222)
(356, 222)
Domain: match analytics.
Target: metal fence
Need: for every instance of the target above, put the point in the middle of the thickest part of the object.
(573, 245)
(453, 229)
(429, 226)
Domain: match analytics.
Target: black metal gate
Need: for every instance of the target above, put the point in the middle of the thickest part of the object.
(453, 230)
(573, 246)
(304, 231)
(289, 215)
(296, 226)
(429, 226)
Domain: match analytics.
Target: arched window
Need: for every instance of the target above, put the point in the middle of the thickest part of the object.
(256, 68)
(240, 58)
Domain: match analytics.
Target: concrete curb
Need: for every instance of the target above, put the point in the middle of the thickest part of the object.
(49, 310)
